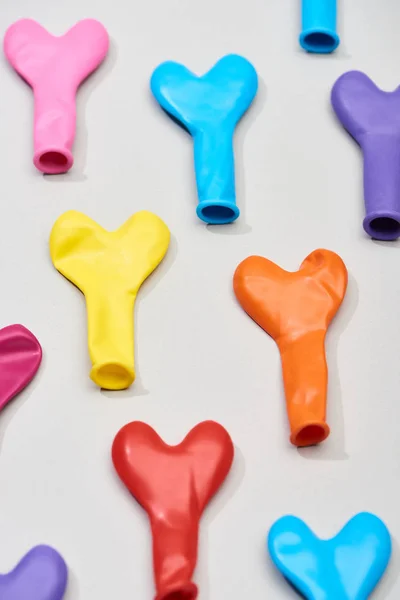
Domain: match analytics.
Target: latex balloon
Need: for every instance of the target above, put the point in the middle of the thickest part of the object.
(20, 357)
(209, 107)
(41, 575)
(371, 116)
(173, 484)
(109, 268)
(55, 67)
(346, 567)
(295, 309)
(318, 34)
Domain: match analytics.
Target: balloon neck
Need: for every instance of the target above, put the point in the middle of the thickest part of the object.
(175, 540)
(54, 128)
(111, 337)
(305, 383)
(382, 185)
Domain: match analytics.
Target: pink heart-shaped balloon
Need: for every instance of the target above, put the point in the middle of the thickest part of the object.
(39, 56)
(55, 66)
(20, 357)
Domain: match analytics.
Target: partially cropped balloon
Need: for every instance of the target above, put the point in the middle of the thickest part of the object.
(20, 358)
(41, 575)
(372, 117)
(55, 67)
(295, 309)
(318, 33)
(173, 484)
(109, 268)
(209, 107)
(345, 567)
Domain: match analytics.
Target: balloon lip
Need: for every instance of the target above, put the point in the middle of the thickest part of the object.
(319, 40)
(217, 212)
(112, 375)
(309, 433)
(53, 160)
(383, 225)
(185, 591)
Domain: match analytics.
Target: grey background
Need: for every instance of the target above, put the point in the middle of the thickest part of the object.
(198, 356)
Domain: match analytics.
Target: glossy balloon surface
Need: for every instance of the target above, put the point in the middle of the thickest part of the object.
(20, 358)
(209, 107)
(346, 567)
(173, 484)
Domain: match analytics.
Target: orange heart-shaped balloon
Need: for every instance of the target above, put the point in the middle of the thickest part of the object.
(295, 309)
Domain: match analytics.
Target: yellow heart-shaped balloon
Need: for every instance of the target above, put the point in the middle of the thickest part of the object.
(109, 268)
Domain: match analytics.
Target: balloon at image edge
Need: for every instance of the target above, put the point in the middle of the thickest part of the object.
(295, 309)
(54, 67)
(209, 108)
(40, 575)
(42, 571)
(371, 116)
(109, 268)
(20, 358)
(318, 34)
(173, 484)
(345, 567)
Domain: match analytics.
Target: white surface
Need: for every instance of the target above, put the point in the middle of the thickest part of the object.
(198, 356)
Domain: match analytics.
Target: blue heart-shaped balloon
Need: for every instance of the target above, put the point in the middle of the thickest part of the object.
(40, 575)
(222, 95)
(346, 567)
(209, 108)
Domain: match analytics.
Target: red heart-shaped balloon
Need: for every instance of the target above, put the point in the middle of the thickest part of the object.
(173, 484)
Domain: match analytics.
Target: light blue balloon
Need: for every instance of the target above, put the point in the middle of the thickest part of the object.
(319, 26)
(209, 107)
(346, 567)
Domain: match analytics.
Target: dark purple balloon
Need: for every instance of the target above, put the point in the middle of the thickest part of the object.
(40, 575)
(372, 117)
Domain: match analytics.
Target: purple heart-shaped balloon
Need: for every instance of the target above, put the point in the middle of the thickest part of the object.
(40, 575)
(372, 117)
(20, 357)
